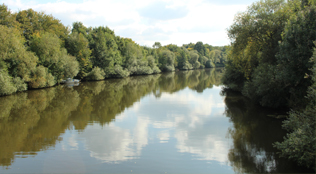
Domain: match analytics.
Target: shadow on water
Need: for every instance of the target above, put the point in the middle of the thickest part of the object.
(253, 134)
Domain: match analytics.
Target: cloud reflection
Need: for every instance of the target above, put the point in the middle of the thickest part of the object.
(190, 118)
(114, 144)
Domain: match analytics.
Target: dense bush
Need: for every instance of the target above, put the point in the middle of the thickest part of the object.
(96, 74)
(300, 143)
(272, 44)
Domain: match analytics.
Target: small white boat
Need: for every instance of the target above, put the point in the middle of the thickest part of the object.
(70, 81)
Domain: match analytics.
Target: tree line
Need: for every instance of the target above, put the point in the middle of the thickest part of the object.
(273, 62)
(38, 51)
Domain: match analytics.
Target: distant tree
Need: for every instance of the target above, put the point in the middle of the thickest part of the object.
(81, 29)
(200, 48)
(32, 22)
(157, 45)
(166, 60)
(13, 54)
(78, 46)
(7, 18)
(105, 53)
(53, 56)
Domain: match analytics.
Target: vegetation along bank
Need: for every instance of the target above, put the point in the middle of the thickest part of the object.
(38, 51)
(273, 62)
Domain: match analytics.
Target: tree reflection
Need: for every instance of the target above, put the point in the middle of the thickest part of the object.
(33, 121)
(253, 134)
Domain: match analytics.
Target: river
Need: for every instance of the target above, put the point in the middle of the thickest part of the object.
(179, 122)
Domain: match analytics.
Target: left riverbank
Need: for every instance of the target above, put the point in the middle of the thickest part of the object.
(38, 51)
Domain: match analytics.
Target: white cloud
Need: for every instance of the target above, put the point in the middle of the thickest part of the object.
(177, 22)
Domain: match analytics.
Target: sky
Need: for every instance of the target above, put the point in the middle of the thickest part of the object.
(147, 21)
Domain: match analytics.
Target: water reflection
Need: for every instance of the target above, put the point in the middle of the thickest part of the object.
(176, 120)
(253, 134)
(35, 120)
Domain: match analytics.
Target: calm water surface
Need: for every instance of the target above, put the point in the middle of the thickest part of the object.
(180, 122)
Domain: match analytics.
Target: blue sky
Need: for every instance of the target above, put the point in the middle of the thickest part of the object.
(166, 21)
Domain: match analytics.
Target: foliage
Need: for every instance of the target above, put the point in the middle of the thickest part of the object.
(96, 74)
(32, 22)
(233, 78)
(120, 72)
(42, 78)
(300, 143)
(7, 18)
(77, 45)
(53, 56)
(13, 54)
(255, 33)
(295, 53)
(166, 60)
(9, 85)
(40, 51)
(272, 45)
(105, 53)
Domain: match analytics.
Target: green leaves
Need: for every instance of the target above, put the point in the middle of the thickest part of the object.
(53, 56)
(300, 142)
(270, 56)
(78, 46)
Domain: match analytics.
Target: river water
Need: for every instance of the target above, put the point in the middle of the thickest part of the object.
(179, 122)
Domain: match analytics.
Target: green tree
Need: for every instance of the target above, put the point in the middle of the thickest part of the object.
(193, 60)
(300, 142)
(78, 46)
(7, 18)
(157, 45)
(32, 22)
(200, 48)
(105, 53)
(296, 50)
(81, 29)
(9, 85)
(166, 60)
(53, 56)
(255, 33)
(13, 55)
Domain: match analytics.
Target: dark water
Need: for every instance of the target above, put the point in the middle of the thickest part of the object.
(178, 122)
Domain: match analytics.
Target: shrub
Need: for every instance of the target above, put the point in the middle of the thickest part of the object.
(96, 74)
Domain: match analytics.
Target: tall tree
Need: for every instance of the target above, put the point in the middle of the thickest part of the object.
(77, 45)
(32, 22)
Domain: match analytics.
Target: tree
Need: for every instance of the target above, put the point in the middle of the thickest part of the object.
(81, 29)
(53, 56)
(157, 45)
(166, 60)
(13, 55)
(200, 48)
(105, 53)
(296, 50)
(32, 22)
(193, 60)
(183, 59)
(255, 33)
(300, 142)
(78, 46)
(7, 18)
